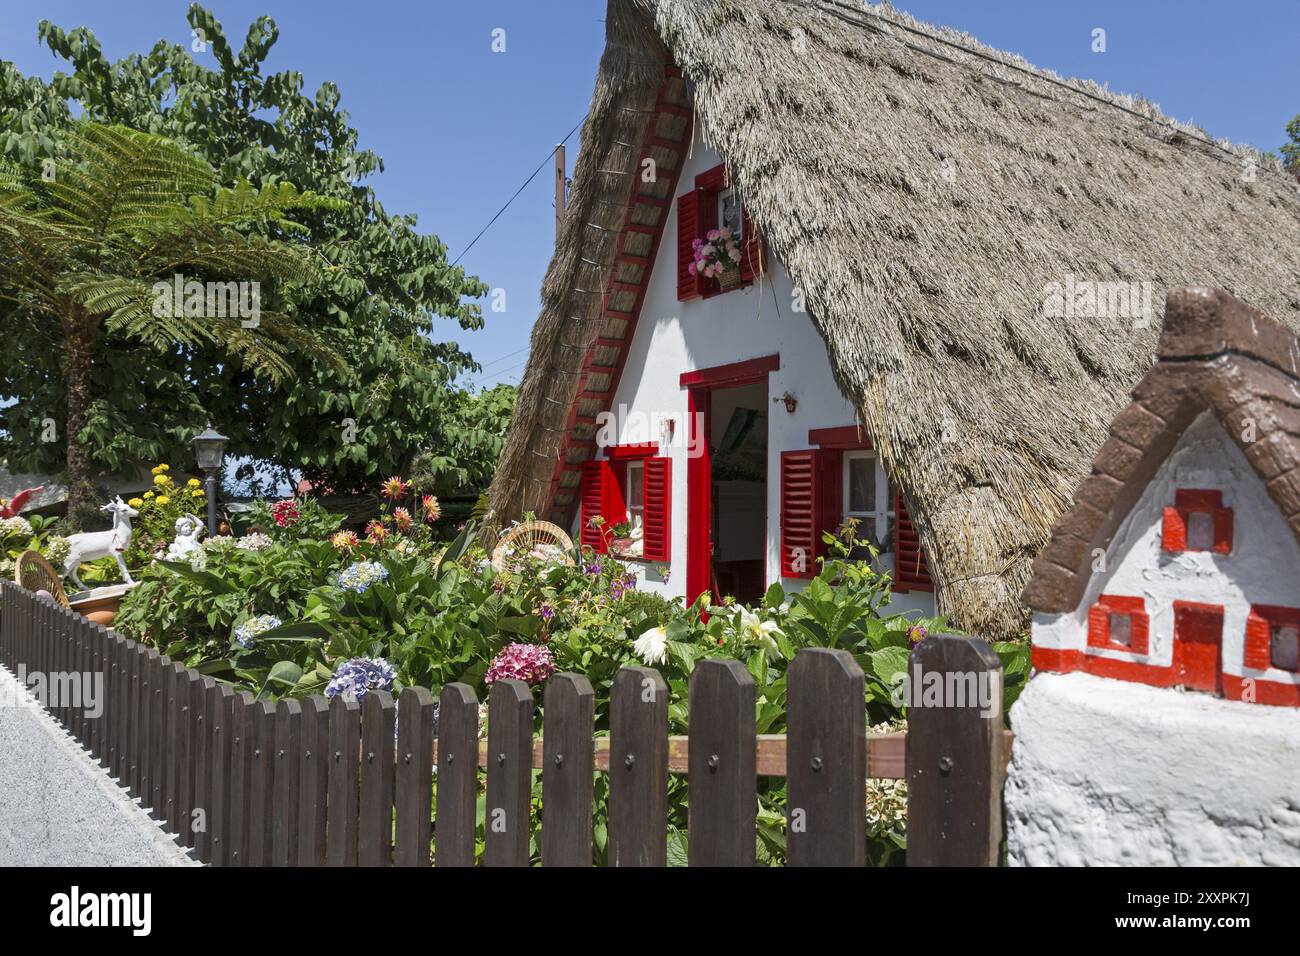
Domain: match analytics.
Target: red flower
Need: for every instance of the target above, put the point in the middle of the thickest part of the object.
(402, 518)
(286, 513)
(376, 532)
(432, 510)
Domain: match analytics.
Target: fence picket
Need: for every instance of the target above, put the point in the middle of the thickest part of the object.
(638, 768)
(955, 760)
(567, 765)
(341, 811)
(826, 760)
(160, 737)
(180, 778)
(507, 823)
(375, 829)
(262, 782)
(287, 757)
(313, 779)
(202, 741)
(457, 776)
(723, 770)
(220, 714)
(416, 711)
(241, 767)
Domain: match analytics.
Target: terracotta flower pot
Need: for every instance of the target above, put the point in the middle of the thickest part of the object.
(100, 604)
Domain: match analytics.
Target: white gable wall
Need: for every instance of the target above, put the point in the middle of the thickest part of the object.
(1263, 568)
(673, 337)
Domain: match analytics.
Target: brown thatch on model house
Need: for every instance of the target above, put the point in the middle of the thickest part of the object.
(924, 191)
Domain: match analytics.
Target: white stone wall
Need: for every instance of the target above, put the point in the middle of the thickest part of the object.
(759, 320)
(1105, 772)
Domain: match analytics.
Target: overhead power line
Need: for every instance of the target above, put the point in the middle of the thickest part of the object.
(532, 176)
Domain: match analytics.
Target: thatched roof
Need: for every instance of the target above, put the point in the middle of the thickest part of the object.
(924, 190)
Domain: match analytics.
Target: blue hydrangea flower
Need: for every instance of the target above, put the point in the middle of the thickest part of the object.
(356, 676)
(254, 626)
(359, 576)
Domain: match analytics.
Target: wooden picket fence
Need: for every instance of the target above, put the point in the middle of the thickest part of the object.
(312, 782)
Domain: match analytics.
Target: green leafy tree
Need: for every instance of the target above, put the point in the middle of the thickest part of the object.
(1291, 149)
(93, 246)
(341, 426)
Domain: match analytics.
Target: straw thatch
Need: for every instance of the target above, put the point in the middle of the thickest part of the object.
(924, 190)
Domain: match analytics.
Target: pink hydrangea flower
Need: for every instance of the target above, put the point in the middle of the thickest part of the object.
(530, 663)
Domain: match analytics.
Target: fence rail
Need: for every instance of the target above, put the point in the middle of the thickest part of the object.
(311, 782)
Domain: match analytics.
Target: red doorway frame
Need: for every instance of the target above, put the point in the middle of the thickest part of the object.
(699, 468)
(1198, 646)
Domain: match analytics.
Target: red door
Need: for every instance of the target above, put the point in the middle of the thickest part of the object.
(1198, 646)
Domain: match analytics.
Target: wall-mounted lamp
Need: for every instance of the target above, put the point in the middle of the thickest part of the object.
(791, 403)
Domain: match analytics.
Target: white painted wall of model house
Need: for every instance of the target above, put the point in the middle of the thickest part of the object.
(673, 337)
(1263, 568)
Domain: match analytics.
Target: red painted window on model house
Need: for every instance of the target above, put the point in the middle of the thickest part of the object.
(1272, 637)
(842, 478)
(632, 484)
(1119, 623)
(711, 204)
(1197, 522)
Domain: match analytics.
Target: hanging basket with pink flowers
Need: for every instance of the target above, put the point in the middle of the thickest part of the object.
(717, 256)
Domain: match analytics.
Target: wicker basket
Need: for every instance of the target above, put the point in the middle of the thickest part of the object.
(536, 538)
(729, 279)
(34, 573)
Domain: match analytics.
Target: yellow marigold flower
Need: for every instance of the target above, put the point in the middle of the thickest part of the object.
(196, 493)
(164, 467)
(135, 502)
(163, 500)
(148, 495)
(160, 479)
(156, 470)
(193, 483)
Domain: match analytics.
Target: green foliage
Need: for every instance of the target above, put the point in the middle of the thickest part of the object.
(384, 284)
(1291, 149)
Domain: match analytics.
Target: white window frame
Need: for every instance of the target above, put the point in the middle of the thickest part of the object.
(635, 515)
(883, 515)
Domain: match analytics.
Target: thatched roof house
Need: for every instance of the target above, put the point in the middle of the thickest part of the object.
(951, 216)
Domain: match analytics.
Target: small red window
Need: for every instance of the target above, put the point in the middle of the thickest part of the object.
(626, 503)
(1273, 638)
(1119, 623)
(1198, 522)
(713, 204)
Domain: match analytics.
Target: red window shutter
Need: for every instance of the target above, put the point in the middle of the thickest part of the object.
(593, 500)
(1099, 626)
(830, 494)
(753, 260)
(1140, 631)
(657, 524)
(800, 535)
(911, 571)
(601, 495)
(1259, 640)
(688, 230)
(1173, 536)
(1222, 531)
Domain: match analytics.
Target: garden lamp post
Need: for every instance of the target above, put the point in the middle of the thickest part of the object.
(210, 450)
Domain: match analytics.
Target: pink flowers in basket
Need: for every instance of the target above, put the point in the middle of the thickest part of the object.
(717, 253)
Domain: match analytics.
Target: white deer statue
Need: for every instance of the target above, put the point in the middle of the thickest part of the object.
(92, 545)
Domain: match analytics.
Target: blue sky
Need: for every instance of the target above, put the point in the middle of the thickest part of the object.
(460, 127)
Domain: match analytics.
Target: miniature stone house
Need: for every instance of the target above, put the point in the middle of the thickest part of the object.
(1178, 564)
(1166, 607)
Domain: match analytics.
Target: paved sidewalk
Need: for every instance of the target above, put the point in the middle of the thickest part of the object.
(58, 807)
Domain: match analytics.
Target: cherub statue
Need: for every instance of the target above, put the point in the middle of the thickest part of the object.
(188, 531)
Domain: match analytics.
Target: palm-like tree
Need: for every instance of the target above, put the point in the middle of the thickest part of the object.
(123, 211)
